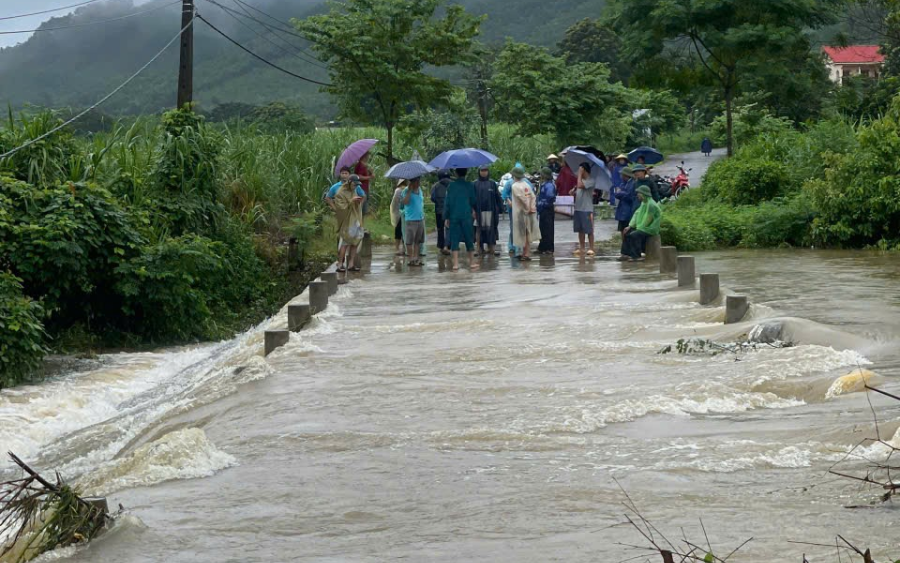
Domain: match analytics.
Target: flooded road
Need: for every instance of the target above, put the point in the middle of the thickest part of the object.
(492, 416)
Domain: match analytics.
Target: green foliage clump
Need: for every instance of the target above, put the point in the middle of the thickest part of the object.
(750, 121)
(541, 93)
(740, 181)
(279, 117)
(21, 333)
(187, 195)
(594, 41)
(44, 162)
(858, 199)
(710, 225)
(64, 242)
(189, 287)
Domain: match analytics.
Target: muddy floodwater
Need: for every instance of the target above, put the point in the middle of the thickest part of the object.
(494, 416)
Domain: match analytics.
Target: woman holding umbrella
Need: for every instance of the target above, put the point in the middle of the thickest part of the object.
(346, 199)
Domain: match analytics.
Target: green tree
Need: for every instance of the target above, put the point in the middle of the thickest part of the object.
(725, 35)
(540, 93)
(280, 117)
(377, 51)
(594, 41)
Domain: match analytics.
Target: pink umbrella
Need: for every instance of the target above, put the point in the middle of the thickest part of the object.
(353, 153)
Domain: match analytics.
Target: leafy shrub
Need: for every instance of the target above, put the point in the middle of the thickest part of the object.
(741, 181)
(691, 225)
(190, 287)
(749, 122)
(858, 200)
(64, 243)
(278, 117)
(21, 333)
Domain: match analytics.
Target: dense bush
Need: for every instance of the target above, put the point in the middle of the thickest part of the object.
(21, 333)
(705, 226)
(64, 243)
(749, 122)
(745, 181)
(188, 287)
(858, 199)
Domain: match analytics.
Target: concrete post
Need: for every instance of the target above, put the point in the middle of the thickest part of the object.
(298, 317)
(357, 261)
(365, 251)
(654, 244)
(668, 260)
(331, 279)
(736, 307)
(709, 288)
(318, 297)
(686, 271)
(275, 339)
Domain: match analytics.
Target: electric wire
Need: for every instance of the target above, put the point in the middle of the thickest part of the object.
(50, 11)
(102, 100)
(86, 24)
(264, 38)
(283, 27)
(274, 31)
(260, 58)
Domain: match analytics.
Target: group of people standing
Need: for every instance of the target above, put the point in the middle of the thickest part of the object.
(469, 212)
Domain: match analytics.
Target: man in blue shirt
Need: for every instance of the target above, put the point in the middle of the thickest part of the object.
(414, 211)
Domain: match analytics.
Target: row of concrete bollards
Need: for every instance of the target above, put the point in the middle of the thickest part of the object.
(684, 267)
(319, 291)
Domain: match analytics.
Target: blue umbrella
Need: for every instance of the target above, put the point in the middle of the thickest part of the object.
(574, 159)
(462, 158)
(651, 155)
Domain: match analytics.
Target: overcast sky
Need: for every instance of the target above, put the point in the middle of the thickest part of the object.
(16, 7)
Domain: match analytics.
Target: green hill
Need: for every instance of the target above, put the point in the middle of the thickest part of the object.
(75, 67)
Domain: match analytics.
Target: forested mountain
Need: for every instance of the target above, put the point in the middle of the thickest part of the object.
(74, 67)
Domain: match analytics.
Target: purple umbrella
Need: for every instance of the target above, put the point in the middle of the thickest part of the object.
(353, 153)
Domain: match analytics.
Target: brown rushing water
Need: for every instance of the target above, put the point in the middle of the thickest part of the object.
(433, 416)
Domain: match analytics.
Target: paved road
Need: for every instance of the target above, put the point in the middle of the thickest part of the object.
(695, 160)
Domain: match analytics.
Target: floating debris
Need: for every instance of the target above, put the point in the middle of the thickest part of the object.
(37, 516)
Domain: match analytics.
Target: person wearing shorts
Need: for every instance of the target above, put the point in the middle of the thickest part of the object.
(459, 212)
(414, 212)
(583, 222)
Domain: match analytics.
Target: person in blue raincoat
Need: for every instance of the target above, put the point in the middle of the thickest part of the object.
(706, 146)
(627, 198)
(546, 211)
(617, 166)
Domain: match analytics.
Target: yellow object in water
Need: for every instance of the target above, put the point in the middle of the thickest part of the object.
(853, 382)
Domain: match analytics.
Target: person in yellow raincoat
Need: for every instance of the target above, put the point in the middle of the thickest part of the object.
(346, 199)
(524, 211)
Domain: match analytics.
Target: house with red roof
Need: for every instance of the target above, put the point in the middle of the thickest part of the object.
(854, 60)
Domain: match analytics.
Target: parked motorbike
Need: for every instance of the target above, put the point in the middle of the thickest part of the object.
(673, 188)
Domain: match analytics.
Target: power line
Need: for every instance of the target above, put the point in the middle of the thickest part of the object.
(86, 24)
(69, 7)
(254, 55)
(273, 30)
(264, 38)
(102, 100)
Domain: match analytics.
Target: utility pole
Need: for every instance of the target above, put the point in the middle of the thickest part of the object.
(186, 68)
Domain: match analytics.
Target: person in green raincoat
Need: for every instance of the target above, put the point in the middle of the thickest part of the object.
(346, 199)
